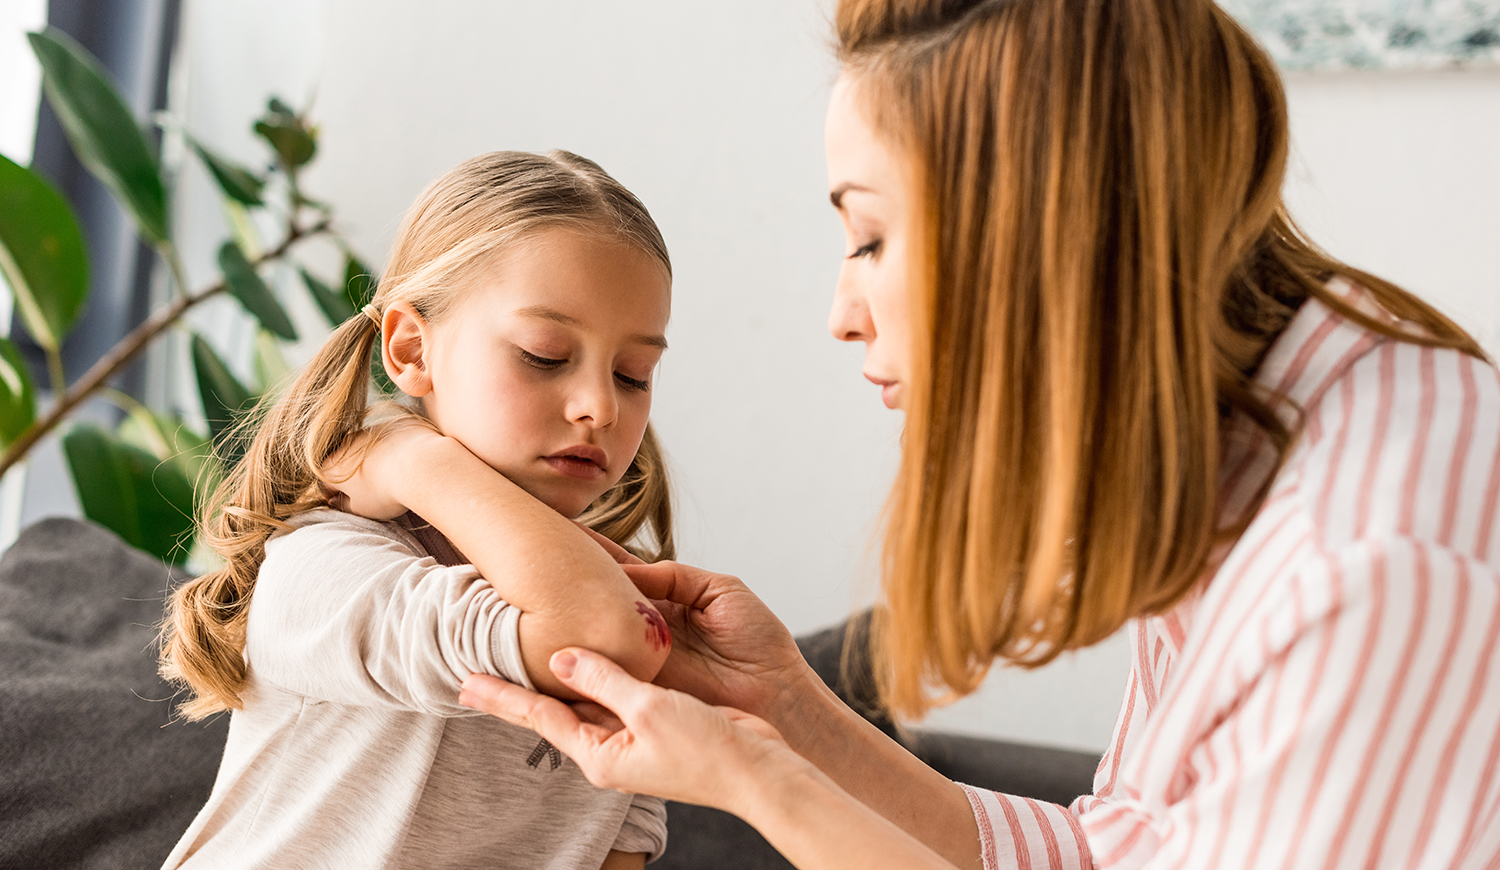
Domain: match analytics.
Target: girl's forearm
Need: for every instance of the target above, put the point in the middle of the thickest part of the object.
(878, 771)
(819, 826)
(571, 593)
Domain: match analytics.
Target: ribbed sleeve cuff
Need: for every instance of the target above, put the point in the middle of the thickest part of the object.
(505, 646)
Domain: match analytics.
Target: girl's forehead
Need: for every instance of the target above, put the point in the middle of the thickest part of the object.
(573, 278)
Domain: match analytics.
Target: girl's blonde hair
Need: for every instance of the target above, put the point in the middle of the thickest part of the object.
(1102, 259)
(455, 228)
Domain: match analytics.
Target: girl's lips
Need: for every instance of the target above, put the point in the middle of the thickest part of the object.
(583, 461)
(574, 467)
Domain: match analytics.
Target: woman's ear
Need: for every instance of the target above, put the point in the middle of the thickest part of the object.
(406, 341)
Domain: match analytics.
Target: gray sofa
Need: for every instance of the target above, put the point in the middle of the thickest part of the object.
(95, 774)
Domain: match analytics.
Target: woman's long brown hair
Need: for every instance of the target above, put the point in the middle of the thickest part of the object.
(1103, 260)
(457, 226)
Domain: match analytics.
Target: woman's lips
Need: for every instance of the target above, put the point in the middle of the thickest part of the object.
(887, 390)
(584, 461)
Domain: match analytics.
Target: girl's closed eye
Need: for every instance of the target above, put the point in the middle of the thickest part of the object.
(541, 362)
(869, 249)
(640, 385)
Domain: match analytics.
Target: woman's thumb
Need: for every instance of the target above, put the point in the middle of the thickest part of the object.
(591, 675)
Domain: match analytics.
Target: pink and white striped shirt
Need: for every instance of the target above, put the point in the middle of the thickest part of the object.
(1331, 698)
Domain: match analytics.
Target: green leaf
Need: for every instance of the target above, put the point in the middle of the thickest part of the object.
(242, 229)
(169, 439)
(271, 367)
(224, 397)
(103, 132)
(294, 141)
(237, 182)
(17, 395)
(42, 255)
(334, 305)
(246, 286)
(147, 502)
(359, 282)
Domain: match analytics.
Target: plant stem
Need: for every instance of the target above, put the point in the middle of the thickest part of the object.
(55, 372)
(132, 344)
(168, 252)
(123, 400)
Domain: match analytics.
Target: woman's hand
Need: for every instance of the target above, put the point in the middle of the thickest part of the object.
(643, 739)
(362, 476)
(728, 648)
(646, 739)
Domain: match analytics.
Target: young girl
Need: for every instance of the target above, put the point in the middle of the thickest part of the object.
(369, 569)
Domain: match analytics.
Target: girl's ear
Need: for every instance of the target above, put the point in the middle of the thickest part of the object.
(405, 342)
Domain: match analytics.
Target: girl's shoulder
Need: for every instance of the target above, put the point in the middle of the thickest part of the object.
(318, 536)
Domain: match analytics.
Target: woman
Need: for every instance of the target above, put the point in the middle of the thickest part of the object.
(1133, 392)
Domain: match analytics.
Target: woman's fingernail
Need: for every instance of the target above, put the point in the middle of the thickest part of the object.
(467, 699)
(563, 664)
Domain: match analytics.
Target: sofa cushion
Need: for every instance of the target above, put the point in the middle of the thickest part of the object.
(93, 771)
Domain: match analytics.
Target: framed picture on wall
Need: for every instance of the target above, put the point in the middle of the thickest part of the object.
(1311, 35)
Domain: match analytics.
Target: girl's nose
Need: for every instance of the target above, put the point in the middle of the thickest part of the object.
(849, 318)
(593, 400)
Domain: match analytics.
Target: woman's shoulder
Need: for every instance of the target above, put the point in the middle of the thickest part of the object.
(1405, 442)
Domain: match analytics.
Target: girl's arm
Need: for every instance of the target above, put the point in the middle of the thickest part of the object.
(617, 860)
(570, 592)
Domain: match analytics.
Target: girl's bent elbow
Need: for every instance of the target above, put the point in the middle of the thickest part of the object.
(632, 635)
(640, 642)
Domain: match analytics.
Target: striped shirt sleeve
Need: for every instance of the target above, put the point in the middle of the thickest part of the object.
(1369, 739)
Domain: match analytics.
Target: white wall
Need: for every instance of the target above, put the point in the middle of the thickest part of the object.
(712, 113)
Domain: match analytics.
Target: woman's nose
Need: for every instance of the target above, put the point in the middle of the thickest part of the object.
(849, 319)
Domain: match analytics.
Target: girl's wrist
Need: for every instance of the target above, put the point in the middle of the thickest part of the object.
(420, 454)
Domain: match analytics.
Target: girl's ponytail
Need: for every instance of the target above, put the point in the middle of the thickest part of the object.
(203, 637)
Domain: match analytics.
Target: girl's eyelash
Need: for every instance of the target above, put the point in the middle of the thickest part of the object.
(640, 386)
(867, 250)
(541, 362)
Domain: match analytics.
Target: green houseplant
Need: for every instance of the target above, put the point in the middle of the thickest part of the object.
(140, 479)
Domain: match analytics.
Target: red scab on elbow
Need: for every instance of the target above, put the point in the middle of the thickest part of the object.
(657, 633)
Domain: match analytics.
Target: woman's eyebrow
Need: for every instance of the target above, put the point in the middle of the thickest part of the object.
(836, 196)
(543, 312)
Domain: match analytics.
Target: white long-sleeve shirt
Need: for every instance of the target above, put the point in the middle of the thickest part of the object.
(352, 750)
(1331, 698)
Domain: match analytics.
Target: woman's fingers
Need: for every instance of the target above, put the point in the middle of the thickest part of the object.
(616, 552)
(598, 679)
(634, 736)
(546, 716)
(679, 583)
(590, 712)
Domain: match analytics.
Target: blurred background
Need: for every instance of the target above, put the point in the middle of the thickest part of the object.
(712, 113)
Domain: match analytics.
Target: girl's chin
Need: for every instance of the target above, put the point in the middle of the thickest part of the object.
(570, 505)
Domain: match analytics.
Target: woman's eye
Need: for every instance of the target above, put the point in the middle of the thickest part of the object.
(869, 249)
(640, 386)
(541, 362)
